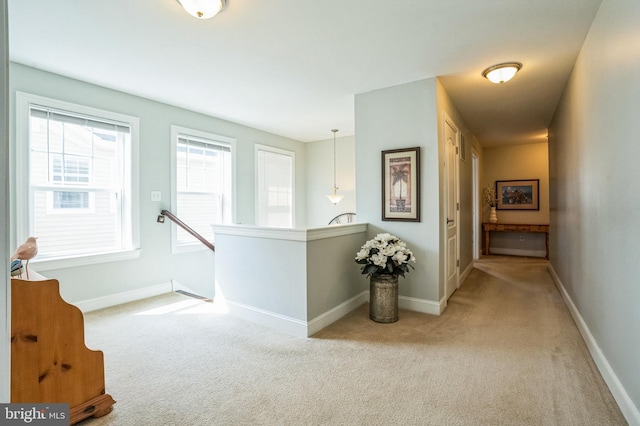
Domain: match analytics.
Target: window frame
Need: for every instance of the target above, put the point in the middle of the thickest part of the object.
(23, 192)
(292, 155)
(177, 131)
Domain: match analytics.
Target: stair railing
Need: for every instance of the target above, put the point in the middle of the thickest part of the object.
(186, 227)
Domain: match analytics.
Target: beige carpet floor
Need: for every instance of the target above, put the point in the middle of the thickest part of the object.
(505, 352)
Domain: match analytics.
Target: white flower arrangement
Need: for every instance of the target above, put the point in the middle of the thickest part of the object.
(490, 196)
(385, 254)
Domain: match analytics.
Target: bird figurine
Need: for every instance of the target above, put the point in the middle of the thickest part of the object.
(26, 251)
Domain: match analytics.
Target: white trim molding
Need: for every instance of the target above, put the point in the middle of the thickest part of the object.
(299, 328)
(293, 326)
(333, 315)
(90, 305)
(465, 274)
(421, 305)
(278, 322)
(290, 234)
(629, 410)
(91, 259)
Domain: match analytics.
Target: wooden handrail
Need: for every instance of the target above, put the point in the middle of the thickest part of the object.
(186, 227)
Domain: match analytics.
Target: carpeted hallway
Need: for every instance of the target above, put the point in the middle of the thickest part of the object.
(505, 352)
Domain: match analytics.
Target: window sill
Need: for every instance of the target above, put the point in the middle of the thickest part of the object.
(72, 262)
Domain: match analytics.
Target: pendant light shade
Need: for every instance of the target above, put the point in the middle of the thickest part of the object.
(334, 198)
(203, 9)
(502, 73)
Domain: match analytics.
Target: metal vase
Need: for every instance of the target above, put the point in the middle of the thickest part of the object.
(383, 298)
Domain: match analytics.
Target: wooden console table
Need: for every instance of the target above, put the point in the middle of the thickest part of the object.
(509, 227)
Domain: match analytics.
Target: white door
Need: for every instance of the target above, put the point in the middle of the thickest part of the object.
(451, 206)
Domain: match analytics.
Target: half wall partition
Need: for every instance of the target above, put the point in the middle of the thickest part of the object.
(293, 280)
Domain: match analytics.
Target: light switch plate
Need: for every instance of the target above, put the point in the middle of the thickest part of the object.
(156, 196)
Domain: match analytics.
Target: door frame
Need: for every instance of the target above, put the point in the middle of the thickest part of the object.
(448, 121)
(477, 220)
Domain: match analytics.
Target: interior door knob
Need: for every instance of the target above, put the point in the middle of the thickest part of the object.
(450, 221)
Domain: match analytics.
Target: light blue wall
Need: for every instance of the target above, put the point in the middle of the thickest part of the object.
(402, 117)
(593, 157)
(266, 274)
(302, 277)
(333, 276)
(320, 179)
(156, 264)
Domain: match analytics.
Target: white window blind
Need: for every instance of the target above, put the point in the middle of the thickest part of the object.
(203, 182)
(274, 182)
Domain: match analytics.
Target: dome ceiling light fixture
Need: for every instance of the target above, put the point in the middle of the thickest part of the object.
(502, 73)
(203, 9)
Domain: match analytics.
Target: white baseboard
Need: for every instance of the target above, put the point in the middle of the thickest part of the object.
(124, 297)
(420, 305)
(296, 327)
(333, 315)
(518, 252)
(301, 328)
(443, 304)
(270, 319)
(465, 274)
(629, 410)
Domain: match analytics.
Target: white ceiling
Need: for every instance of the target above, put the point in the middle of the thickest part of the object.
(292, 67)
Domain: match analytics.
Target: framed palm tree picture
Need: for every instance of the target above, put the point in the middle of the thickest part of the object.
(401, 184)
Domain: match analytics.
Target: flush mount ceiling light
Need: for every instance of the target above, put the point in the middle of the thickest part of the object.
(203, 9)
(502, 73)
(335, 198)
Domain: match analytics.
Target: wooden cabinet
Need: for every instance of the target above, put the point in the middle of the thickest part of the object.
(512, 227)
(49, 360)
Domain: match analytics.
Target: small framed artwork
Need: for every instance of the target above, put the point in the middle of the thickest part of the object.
(401, 184)
(518, 194)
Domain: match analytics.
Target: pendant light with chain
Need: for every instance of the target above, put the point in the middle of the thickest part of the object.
(335, 198)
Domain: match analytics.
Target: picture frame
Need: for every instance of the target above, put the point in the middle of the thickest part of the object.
(518, 194)
(401, 184)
